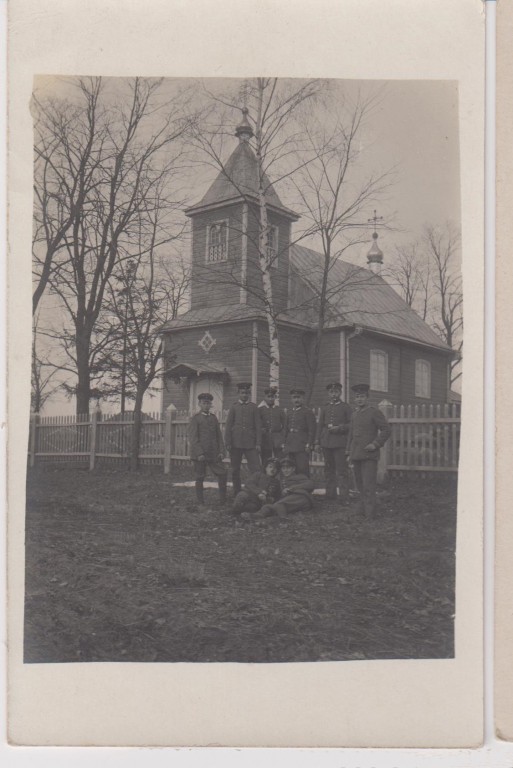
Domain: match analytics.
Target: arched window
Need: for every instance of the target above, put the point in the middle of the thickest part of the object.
(422, 378)
(217, 241)
(378, 370)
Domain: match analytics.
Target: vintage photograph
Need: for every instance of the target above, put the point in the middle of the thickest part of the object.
(246, 363)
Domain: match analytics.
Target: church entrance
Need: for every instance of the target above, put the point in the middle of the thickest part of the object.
(212, 384)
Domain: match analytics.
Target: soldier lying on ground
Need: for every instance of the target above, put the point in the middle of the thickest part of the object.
(296, 496)
(261, 488)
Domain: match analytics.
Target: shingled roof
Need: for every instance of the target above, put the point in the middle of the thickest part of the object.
(238, 180)
(358, 297)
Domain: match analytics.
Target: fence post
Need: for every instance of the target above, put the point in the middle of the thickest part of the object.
(93, 437)
(168, 437)
(385, 406)
(34, 420)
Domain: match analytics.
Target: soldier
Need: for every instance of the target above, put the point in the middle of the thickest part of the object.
(273, 426)
(206, 447)
(261, 488)
(297, 490)
(243, 434)
(368, 432)
(332, 429)
(299, 432)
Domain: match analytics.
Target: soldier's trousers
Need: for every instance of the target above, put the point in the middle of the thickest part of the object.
(269, 453)
(253, 460)
(216, 466)
(365, 475)
(292, 502)
(302, 459)
(336, 473)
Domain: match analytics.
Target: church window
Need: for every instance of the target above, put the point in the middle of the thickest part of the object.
(378, 370)
(217, 242)
(422, 379)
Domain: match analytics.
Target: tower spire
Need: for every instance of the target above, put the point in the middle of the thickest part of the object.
(375, 254)
(244, 131)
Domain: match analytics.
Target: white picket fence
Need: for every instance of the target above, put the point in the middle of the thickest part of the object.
(424, 438)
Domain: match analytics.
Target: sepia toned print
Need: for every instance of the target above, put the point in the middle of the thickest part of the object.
(246, 371)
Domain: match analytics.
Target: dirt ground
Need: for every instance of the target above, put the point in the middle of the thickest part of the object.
(122, 567)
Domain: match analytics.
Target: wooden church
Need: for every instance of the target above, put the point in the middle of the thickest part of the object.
(370, 334)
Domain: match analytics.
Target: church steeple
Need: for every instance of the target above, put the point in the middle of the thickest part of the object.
(244, 131)
(375, 254)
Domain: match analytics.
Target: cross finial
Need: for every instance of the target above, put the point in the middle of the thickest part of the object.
(375, 220)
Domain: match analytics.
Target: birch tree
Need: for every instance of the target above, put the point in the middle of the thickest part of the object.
(270, 108)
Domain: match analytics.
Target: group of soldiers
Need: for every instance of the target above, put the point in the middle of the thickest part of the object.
(277, 444)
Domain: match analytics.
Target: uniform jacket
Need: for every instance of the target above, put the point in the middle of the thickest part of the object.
(259, 482)
(337, 415)
(243, 426)
(205, 436)
(273, 426)
(300, 484)
(368, 425)
(299, 429)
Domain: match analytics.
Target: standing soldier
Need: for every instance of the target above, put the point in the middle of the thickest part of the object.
(368, 432)
(299, 432)
(332, 429)
(206, 447)
(273, 426)
(243, 434)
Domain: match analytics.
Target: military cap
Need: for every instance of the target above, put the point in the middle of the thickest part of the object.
(243, 385)
(361, 389)
(334, 385)
(274, 462)
(297, 391)
(288, 460)
(271, 391)
(205, 396)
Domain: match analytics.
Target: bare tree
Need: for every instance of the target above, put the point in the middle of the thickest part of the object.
(409, 272)
(44, 374)
(103, 160)
(335, 196)
(446, 310)
(153, 290)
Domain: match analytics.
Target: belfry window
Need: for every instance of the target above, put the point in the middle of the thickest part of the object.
(217, 242)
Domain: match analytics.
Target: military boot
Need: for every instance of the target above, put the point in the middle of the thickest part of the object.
(222, 489)
(199, 492)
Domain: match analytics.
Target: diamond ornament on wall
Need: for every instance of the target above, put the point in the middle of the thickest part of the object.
(207, 341)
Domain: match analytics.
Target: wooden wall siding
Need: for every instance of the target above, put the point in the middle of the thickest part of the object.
(424, 438)
(216, 284)
(401, 369)
(293, 366)
(330, 367)
(232, 351)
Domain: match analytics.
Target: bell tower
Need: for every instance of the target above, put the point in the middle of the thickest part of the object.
(225, 233)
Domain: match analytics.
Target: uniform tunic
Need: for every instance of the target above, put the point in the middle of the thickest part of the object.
(243, 426)
(259, 482)
(205, 439)
(243, 433)
(333, 443)
(300, 431)
(273, 430)
(298, 499)
(368, 425)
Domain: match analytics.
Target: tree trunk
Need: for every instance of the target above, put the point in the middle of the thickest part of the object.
(136, 434)
(83, 392)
